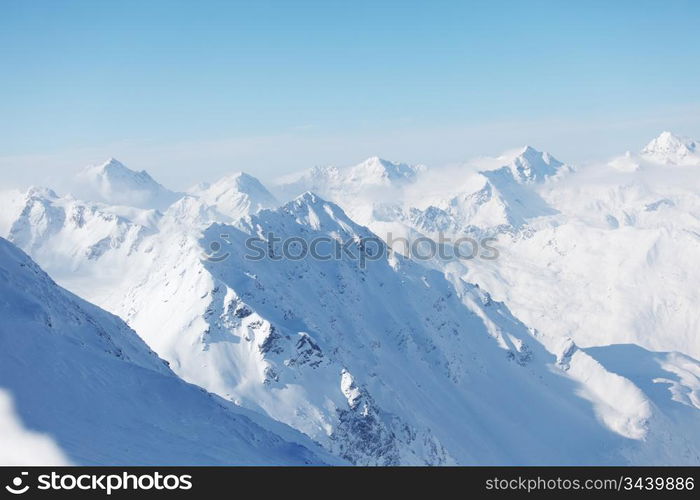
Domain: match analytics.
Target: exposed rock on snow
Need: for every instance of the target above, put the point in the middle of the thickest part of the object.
(99, 396)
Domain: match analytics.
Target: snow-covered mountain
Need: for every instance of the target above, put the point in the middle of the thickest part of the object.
(506, 199)
(377, 171)
(578, 344)
(532, 166)
(614, 265)
(362, 190)
(670, 149)
(368, 178)
(318, 345)
(361, 359)
(72, 237)
(112, 182)
(235, 195)
(85, 244)
(502, 197)
(98, 395)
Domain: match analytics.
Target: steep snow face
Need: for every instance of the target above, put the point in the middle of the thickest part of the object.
(363, 190)
(382, 364)
(500, 199)
(98, 395)
(670, 149)
(614, 266)
(531, 166)
(93, 248)
(114, 183)
(236, 195)
(401, 362)
(596, 256)
(502, 203)
(602, 255)
(72, 238)
(509, 195)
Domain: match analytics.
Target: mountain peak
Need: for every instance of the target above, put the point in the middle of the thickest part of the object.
(376, 161)
(114, 183)
(352, 181)
(306, 201)
(376, 170)
(240, 181)
(244, 181)
(531, 165)
(113, 168)
(236, 195)
(41, 192)
(310, 209)
(308, 197)
(672, 149)
(112, 163)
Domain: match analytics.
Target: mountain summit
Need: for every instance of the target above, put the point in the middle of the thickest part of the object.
(376, 170)
(336, 183)
(114, 183)
(671, 149)
(531, 165)
(235, 195)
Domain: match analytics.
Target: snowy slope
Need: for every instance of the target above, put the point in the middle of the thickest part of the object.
(89, 384)
(503, 198)
(73, 238)
(112, 182)
(602, 254)
(360, 189)
(583, 350)
(86, 245)
(614, 266)
(484, 198)
(389, 364)
(235, 195)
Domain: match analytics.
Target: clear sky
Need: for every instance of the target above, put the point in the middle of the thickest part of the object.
(192, 90)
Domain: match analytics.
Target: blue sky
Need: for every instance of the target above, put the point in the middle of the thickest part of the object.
(192, 90)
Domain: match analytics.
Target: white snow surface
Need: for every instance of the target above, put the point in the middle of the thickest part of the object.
(577, 345)
(114, 183)
(672, 150)
(235, 195)
(87, 390)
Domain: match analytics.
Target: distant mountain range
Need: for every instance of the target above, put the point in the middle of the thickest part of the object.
(577, 345)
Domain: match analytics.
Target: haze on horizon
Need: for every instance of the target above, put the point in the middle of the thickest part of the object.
(192, 91)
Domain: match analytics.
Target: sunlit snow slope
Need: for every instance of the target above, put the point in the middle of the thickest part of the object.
(79, 386)
(578, 344)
